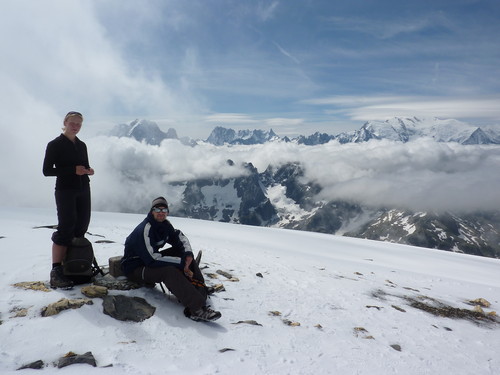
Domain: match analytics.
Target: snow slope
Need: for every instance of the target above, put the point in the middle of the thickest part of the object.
(345, 293)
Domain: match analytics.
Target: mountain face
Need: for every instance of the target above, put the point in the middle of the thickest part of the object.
(238, 200)
(477, 234)
(221, 136)
(280, 197)
(143, 131)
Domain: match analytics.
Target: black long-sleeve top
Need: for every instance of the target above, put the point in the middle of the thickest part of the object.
(61, 158)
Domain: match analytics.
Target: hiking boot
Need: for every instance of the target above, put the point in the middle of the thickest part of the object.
(205, 314)
(58, 280)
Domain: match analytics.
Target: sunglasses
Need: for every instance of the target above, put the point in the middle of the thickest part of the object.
(157, 210)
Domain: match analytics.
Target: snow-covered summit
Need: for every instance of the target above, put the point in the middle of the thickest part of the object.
(221, 136)
(407, 129)
(143, 130)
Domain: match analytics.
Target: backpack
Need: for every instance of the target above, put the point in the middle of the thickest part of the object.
(80, 265)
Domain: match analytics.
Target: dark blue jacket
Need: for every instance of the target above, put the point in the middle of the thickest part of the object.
(142, 246)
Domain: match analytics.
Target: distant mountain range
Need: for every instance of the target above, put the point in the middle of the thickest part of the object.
(279, 197)
(395, 129)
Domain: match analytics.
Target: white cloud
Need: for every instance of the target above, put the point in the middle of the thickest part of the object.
(421, 175)
(365, 108)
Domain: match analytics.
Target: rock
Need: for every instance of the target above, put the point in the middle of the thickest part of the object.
(125, 308)
(118, 283)
(251, 322)
(258, 274)
(115, 266)
(37, 365)
(227, 275)
(19, 312)
(478, 309)
(72, 359)
(363, 333)
(94, 291)
(223, 350)
(480, 302)
(219, 288)
(396, 347)
(398, 308)
(33, 285)
(291, 323)
(65, 304)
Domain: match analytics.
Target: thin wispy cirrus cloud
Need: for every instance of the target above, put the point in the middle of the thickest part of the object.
(361, 108)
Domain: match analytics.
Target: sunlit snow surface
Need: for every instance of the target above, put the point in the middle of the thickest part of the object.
(347, 294)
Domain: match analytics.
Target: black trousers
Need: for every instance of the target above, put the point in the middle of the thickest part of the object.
(174, 279)
(73, 215)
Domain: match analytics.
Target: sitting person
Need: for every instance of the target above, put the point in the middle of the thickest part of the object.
(143, 261)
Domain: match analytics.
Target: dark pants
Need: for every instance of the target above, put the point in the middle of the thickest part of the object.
(174, 279)
(73, 215)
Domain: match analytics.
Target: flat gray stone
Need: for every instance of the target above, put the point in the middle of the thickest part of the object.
(126, 308)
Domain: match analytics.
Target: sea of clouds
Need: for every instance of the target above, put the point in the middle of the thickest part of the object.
(420, 175)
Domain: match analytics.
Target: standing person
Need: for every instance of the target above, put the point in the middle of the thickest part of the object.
(66, 158)
(143, 261)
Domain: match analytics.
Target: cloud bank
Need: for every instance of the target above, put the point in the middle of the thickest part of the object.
(420, 175)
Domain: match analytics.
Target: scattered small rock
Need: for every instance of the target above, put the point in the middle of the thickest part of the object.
(373, 307)
(72, 358)
(479, 302)
(291, 323)
(391, 284)
(398, 308)
(94, 291)
(65, 304)
(223, 350)
(227, 275)
(19, 312)
(360, 331)
(478, 309)
(274, 313)
(219, 288)
(37, 365)
(318, 326)
(251, 322)
(413, 290)
(33, 285)
(396, 347)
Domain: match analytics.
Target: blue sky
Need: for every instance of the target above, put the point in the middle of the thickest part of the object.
(294, 66)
